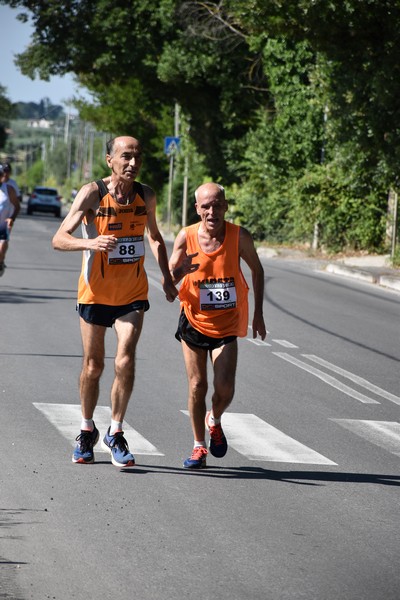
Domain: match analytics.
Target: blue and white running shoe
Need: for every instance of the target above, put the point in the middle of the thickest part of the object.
(83, 452)
(117, 446)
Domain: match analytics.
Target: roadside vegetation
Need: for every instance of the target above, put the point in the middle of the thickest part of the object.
(293, 105)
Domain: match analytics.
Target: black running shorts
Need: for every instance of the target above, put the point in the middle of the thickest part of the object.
(192, 337)
(102, 314)
(4, 232)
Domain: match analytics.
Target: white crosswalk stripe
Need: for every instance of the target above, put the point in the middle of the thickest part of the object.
(67, 417)
(246, 433)
(385, 434)
(257, 440)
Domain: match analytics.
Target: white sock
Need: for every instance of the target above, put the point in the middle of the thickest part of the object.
(197, 444)
(87, 424)
(115, 426)
(214, 420)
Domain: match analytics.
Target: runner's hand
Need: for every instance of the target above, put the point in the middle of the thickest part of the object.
(170, 290)
(104, 243)
(188, 266)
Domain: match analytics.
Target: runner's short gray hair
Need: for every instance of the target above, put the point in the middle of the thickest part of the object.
(221, 188)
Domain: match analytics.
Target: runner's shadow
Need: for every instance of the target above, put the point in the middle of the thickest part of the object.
(297, 477)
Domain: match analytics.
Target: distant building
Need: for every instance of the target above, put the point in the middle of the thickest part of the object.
(40, 123)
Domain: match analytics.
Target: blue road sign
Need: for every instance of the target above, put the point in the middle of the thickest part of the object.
(171, 145)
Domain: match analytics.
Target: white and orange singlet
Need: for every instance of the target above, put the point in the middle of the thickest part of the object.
(115, 278)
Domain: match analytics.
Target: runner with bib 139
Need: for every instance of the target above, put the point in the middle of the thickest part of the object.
(214, 312)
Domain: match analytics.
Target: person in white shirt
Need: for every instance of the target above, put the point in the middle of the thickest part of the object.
(10, 181)
(9, 209)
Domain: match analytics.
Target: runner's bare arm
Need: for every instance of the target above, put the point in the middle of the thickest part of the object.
(249, 254)
(84, 205)
(12, 194)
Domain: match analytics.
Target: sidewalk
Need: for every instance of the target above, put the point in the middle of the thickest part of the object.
(370, 268)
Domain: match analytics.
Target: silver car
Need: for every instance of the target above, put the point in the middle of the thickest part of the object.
(44, 199)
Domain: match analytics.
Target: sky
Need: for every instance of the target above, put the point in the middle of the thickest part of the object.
(15, 37)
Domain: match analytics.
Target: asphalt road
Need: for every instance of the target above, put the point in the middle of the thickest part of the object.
(303, 506)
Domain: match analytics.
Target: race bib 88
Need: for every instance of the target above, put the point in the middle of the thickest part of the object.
(128, 250)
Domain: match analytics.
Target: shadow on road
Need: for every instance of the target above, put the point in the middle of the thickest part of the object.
(9, 568)
(297, 477)
(21, 296)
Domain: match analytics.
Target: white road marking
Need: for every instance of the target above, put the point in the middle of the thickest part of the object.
(67, 417)
(359, 380)
(257, 342)
(385, 434)
(327, 378)
(257, 440)
(285, 343)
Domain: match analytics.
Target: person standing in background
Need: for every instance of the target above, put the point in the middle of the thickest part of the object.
(9, 209)
(10, 181)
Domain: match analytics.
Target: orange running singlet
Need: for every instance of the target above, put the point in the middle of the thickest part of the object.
(215, 297)
(115, 278)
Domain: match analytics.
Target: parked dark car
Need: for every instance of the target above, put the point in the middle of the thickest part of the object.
(44, 199)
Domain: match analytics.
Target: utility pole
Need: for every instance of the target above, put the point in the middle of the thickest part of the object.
(84, 164)
(391, 222)
(171, 167)
(91, 143)
(185, 190)
(67, 141)
(316, 232)
(185, 173)
(394, 237)
(44, 158)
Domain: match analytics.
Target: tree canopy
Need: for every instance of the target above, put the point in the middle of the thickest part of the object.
(6, 112)
(291, 104)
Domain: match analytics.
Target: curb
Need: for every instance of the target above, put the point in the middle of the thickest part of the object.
(390, 282)
(355, 273)
(382, 280)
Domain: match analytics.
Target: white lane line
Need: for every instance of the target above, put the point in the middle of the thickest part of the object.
(257, 440)
(385, 434)
(327, 378)
(67, 417)
(285, 343)
(359, 380)
(258, 342)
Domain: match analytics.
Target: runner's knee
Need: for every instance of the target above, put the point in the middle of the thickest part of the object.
(92, 368)
(124, 364)
(198, 388)
(224, 390)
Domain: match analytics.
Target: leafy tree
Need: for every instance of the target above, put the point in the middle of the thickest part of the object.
(42, 110)
(293, 103)
(149, 57)
(56, 162)
(6, 113)
(35, 175)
